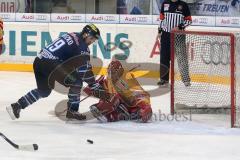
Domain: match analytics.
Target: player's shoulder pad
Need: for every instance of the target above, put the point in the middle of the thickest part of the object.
(75, 37)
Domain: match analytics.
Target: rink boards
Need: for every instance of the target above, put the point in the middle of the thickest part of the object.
(132, 44)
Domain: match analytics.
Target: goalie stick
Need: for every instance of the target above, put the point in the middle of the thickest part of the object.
(135, 67)
(30, 147)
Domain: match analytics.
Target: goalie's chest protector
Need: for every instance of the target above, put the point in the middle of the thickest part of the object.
(127, 86)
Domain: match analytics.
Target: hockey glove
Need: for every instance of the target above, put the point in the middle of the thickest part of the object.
(71, 78)
(181, 26)
(99, 92)
(159, 30)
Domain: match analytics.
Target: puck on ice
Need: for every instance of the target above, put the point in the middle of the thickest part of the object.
(90, 141)
(35, 147)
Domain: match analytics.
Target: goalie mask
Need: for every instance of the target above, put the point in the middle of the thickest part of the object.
(115, 70)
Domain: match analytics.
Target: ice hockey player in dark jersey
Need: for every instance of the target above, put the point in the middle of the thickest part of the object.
(67, 61)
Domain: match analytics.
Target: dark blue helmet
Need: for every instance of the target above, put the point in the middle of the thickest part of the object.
(91, 30)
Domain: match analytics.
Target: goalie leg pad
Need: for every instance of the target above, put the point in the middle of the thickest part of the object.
(97, 114)
(105, 107)
(142, 112)
(104, 117)
(145, 113)
(104, 111)
(122, 112)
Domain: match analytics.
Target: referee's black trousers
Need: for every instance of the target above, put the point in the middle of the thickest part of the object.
(165, 53)
(180, 53)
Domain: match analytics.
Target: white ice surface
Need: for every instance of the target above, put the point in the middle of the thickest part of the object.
(204, 137)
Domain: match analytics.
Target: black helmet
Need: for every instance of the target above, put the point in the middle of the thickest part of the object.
(91, 30)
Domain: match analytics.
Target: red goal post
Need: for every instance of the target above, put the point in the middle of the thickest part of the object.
(208, 58)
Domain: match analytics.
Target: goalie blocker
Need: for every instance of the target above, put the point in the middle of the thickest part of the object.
(128, 100)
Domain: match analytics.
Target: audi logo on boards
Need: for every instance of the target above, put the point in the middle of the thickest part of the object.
(203, 20)
(109, 18)
(76, 17)
(5, 16)
(215, 53)
(142, 19)
(41, 17)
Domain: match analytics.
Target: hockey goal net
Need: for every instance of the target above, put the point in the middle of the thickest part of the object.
(210, 61)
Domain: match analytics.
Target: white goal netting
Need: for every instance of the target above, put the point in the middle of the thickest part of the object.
(210, 61)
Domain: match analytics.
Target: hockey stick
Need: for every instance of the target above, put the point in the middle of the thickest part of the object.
(135, 67)
(30, 147)
(61, 113)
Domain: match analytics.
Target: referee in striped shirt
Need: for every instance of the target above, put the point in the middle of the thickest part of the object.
(175, 14)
